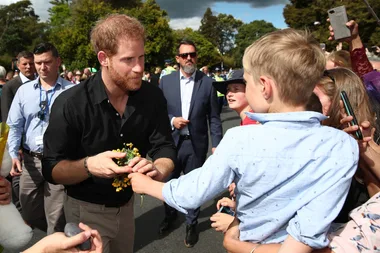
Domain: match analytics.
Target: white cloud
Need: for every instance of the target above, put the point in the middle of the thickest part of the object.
(182, 23)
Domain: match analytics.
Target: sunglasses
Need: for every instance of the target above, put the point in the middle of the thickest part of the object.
(185, 55)
(41, 113)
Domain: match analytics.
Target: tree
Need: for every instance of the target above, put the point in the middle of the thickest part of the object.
(70, 30)
(159, 35)
(20, 29)
(227, 26)
(129, 4)
(247, 34)
(207, 52)
(301, 14)
(209, 27)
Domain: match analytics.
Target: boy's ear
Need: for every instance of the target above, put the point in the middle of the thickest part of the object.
(266, 87)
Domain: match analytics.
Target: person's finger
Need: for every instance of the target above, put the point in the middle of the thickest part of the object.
(351, 129)
(152, 174)
(5, 202)
(84, 226)
(72, 242)
(346, 119)
(135, 161)
(114, 154)
(97, 241)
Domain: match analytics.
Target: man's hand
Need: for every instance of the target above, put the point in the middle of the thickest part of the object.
(180, 122)
(144, 166)
(103, 166)
(5, 191)
(59, 243)
(16, 169)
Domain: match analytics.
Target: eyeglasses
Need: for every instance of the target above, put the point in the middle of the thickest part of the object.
(327, 74)
(41, 113)
(185, 55)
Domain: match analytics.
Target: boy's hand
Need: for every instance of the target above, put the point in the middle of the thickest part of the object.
(231, 189)
(226, 202)
(140, 182)
(221, 221)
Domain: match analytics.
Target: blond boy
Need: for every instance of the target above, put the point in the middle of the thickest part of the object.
(292, 174)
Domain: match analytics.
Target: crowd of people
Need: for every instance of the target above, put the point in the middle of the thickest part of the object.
(300, 179)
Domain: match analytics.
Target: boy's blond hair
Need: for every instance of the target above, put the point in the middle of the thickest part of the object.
(293, 59)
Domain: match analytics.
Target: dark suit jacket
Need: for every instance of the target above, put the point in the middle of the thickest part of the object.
(7, 95)
(203, 108)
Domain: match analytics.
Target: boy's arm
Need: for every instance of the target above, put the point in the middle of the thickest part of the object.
(192, 190)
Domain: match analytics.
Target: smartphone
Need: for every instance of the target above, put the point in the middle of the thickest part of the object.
(338, 19)
(350, 112)
(226, 210)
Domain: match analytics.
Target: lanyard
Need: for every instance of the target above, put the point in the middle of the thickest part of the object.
(48, 101)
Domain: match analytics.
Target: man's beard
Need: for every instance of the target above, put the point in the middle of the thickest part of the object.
(131, 82)
(189, 69)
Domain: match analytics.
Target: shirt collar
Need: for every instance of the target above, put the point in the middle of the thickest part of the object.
(23, 78)
(305, 116)
(58, 83)
(181, 76)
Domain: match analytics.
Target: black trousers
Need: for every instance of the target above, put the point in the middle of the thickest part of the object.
(187, 161)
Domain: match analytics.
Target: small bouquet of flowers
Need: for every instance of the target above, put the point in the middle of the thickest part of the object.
(122, 181)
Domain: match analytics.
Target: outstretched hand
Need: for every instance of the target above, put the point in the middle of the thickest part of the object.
(59, 243)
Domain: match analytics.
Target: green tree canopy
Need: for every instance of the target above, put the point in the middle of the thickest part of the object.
(227, 26)
(209, 27)
(159, 36)
(301, 14)
(71, 34)
(247, 34)
(20, 29)
(207, 52)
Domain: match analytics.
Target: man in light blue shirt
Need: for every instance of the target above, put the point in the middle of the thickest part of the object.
(28, 119)
(292, 174)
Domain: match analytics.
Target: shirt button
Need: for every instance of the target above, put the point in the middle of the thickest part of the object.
(121, 135)
(117, 114)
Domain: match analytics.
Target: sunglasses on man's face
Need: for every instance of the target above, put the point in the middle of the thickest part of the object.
(186, 55)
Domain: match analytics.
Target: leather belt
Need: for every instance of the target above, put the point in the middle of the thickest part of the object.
(37, 155)
(185, 137)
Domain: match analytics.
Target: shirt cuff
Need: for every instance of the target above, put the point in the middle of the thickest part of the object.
(168, 196)
(13, 154)
(171, 123)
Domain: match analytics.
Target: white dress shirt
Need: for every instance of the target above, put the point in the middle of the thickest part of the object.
(186, 87)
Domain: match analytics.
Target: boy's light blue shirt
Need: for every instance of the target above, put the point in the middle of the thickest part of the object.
(292, 176)
(23, 118)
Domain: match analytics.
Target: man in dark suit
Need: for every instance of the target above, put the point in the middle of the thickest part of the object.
(192, 102)
(25, 63)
